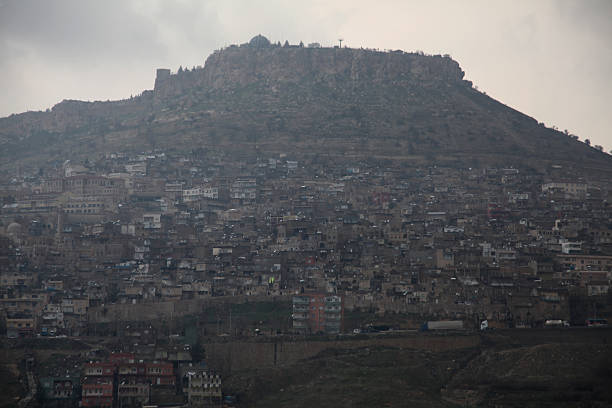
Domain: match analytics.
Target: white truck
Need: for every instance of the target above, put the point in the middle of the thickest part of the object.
(443, 325)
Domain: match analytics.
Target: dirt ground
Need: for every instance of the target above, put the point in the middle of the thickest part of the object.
(509, 369)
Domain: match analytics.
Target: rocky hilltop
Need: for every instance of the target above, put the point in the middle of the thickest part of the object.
(330, 100)
(274, 66)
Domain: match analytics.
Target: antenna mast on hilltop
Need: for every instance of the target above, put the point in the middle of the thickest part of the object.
(340, 40)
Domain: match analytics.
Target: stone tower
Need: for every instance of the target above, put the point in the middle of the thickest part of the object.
(163, 74)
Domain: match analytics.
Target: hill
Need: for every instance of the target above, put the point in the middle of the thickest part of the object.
(537, 368)
(260, 97)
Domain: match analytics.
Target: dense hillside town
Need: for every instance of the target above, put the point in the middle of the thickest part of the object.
(499, 244)
(90, 248)
(250, 216)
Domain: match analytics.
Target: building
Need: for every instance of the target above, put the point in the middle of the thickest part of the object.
(569, 189)
(98, 387)
(84, 208)
(568, 247)
(151, 221)
(123, 381)
(90, 185)
(60, 391)
(210, 192)
(192, 194)
(20, 324)
(52, 320)
(586, 262)
(97, 392)
(317, 313)
(244, 189)
(99, 369)
(133, 391)
(159, 373)
(203, 388)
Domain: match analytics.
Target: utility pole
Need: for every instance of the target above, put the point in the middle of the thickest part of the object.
(218, 322)
(230, 320)
(340, 40)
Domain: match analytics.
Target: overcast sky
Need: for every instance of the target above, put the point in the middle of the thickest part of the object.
(551, 59)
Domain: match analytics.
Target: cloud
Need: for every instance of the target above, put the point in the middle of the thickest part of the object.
(76, 31)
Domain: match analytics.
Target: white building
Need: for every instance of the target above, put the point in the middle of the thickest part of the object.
(203, 388)
(570, 189)
(151, 221)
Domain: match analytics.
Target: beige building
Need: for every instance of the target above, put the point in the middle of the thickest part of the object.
(586, 262)
(570, 189)
(203, 388)
(20, 324)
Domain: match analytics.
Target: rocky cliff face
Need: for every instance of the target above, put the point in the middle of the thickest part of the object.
(316, 99)
(241, 66)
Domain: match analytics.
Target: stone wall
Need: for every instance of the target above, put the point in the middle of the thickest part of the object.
(240, 355)
(166, 310)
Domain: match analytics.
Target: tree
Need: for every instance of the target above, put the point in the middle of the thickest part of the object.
(180, 70)
(587, 142)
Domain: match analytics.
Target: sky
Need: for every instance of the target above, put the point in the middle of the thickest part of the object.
(550, 59)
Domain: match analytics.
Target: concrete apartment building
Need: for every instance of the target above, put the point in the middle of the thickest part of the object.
(317, 313)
